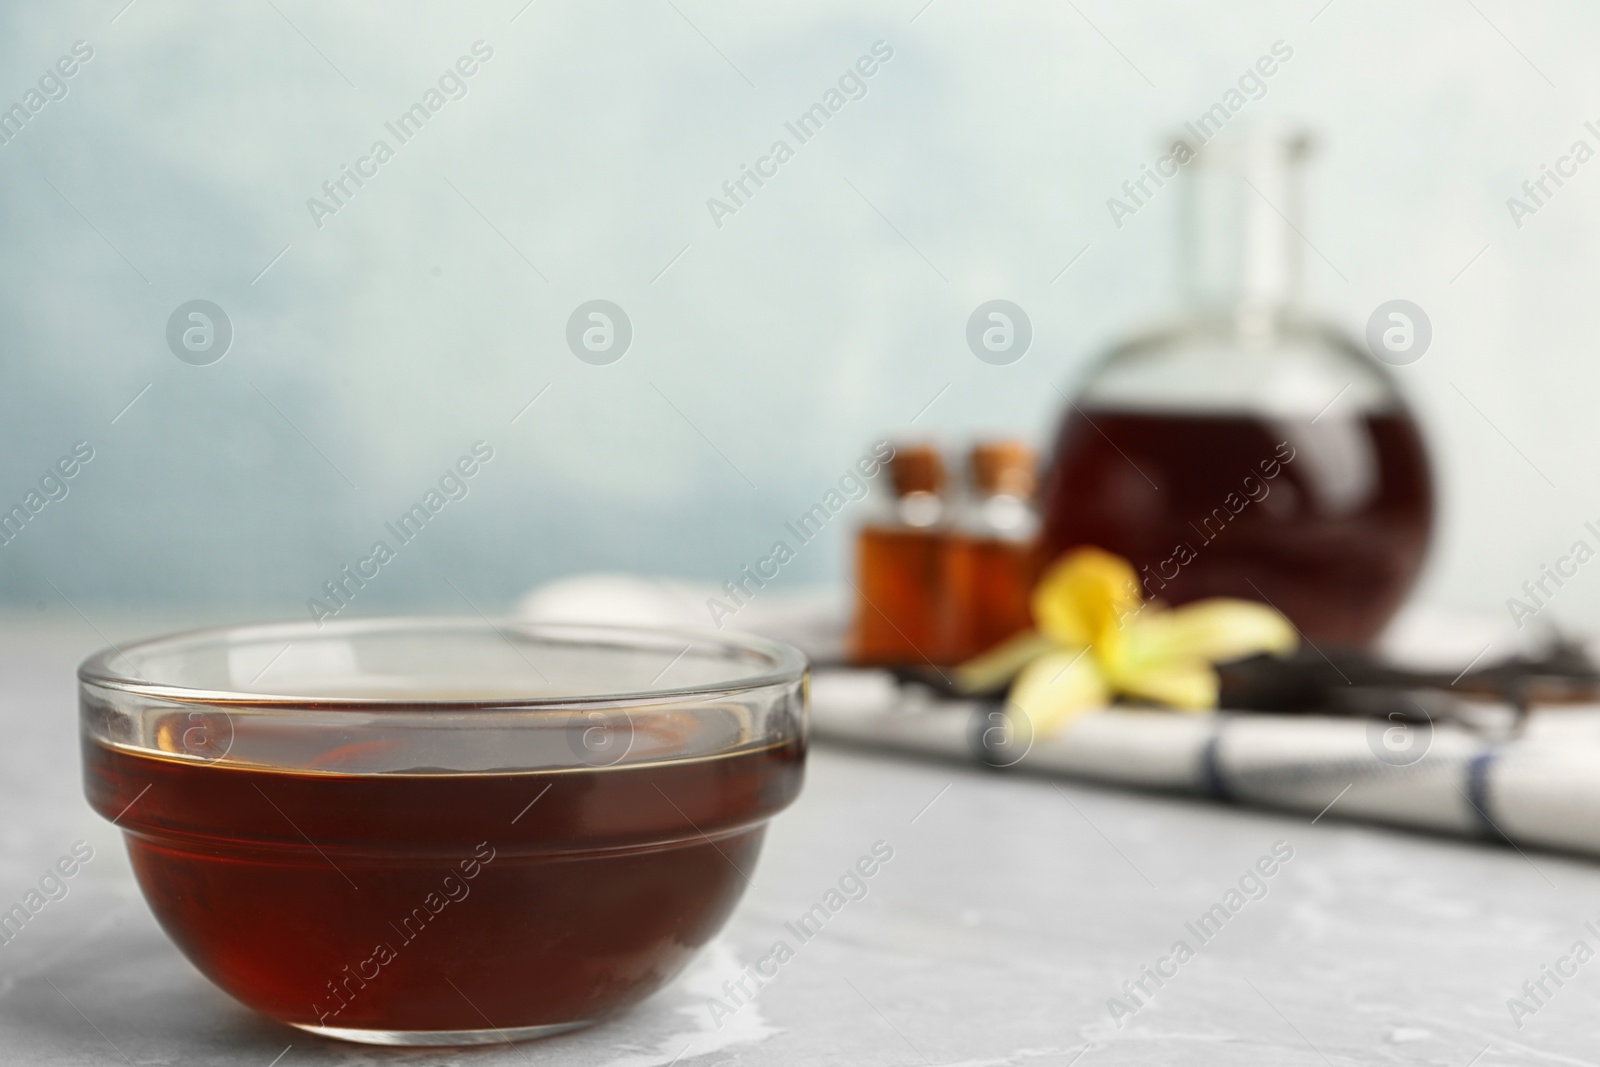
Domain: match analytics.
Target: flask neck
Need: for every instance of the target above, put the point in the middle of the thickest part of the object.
(917, 475)
(1242, 224)
(1004, 479)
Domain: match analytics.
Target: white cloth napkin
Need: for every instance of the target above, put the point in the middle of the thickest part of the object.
(1542, 789)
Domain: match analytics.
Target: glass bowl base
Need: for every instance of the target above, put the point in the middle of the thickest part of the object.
(437, 1038)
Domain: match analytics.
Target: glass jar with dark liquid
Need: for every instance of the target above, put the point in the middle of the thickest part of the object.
(1248, 450)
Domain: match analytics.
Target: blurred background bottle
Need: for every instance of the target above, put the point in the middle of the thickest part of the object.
(899, 560)
(1247, 449)
(991, 554)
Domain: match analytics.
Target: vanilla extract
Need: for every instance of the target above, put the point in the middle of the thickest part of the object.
(331, 899)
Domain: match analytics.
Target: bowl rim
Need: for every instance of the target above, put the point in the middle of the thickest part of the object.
(787, 664)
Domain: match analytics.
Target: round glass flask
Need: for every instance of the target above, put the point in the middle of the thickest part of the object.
(1247, 449)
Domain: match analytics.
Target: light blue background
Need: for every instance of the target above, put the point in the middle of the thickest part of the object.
(828, 312)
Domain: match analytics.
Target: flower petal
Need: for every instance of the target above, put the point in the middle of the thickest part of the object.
(1188, 685)
(1057, 687)
(1214, 630)
(1084, 596)
(1001, 663)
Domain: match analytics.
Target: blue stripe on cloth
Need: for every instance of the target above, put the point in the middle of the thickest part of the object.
(1478, 789)
(1211, 767)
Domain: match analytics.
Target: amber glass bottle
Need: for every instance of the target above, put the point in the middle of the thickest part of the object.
(991, 556)
(899, 560)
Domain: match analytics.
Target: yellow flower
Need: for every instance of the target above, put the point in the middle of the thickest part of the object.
(1098, 639)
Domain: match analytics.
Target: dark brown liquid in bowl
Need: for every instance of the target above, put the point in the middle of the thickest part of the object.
(424, 902)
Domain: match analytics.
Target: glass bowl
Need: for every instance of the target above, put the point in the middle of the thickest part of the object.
(442, 831)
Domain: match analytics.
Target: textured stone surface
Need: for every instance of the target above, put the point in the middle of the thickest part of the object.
(1012, 910)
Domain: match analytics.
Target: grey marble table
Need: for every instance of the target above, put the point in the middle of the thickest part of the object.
(1012, 912)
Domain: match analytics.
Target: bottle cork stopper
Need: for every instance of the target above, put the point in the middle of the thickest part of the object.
(1004, 467)
(916, 468)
